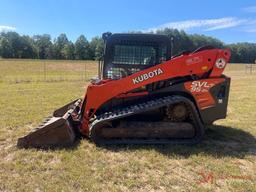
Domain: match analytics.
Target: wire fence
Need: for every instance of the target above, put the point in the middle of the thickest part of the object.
(25, 71)
(249, 68)
(18, 71)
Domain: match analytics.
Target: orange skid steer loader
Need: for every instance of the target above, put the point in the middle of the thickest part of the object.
(143, 95)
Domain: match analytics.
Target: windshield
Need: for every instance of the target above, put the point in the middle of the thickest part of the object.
(138, 54)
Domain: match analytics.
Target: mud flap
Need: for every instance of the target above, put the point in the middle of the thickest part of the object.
(57, 131)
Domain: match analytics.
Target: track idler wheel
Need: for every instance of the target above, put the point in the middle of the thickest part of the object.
(177, 112)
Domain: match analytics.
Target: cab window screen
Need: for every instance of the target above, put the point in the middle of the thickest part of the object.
(162, 54)
(134, 55)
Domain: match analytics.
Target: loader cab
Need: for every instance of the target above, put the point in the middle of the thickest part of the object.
(126, 54)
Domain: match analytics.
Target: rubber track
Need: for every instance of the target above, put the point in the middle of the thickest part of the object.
(143, 107)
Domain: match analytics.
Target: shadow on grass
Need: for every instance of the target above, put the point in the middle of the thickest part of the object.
(219, 141)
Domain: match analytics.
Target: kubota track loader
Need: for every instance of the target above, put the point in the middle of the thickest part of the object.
(143, 96)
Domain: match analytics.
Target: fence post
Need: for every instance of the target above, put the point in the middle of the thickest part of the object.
(85, 76)
(44, 71)
(249, 68)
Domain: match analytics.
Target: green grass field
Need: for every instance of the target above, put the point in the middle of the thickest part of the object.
(224, 161)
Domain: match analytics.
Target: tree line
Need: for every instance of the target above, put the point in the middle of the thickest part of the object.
(13, 45)
(240, 52)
